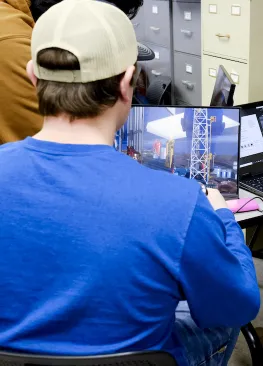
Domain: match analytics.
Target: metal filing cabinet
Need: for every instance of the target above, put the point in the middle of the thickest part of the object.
(161, 65)
(138, 25)
(153, 25)
(187, 81)
(225, 34)
(187, 27)
(187, 52)
(157, 25)
(238, 70)
(231, 36)
(157, 37)
(187, 1)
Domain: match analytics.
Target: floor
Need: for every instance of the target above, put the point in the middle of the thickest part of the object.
(241, 355)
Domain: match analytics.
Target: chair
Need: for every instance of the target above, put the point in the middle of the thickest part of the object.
(159, 91)
(154, 358)
(254, 344)
(145, 53)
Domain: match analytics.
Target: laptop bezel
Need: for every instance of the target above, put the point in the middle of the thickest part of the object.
(256, 168)
(230, 99)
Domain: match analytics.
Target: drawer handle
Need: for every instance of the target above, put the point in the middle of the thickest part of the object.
(189, 85)
(136, 25)
(156, 73)
(186, 32)
(223, 35)
(155, 29)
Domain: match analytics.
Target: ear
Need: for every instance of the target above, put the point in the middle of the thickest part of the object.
(125, 85)
(30, 73)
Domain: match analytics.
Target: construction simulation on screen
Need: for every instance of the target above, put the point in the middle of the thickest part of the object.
(195, 143)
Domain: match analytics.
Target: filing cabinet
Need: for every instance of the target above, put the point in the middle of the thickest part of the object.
(187, 52)
(187, 78)
(138, 25)
(156, 35)
(225, 34)
(153, 25)
(161, 65)
(187, 1)
(187, 27)
(231, 36)
(157, 24)
(238, 71)
(220, 31)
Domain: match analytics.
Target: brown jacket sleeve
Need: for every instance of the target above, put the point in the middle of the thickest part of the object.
(19, 116)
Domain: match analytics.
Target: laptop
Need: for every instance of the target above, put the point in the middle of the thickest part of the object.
(251, 148)
(192, 142)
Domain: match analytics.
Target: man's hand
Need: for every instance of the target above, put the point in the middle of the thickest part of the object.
(216, 199)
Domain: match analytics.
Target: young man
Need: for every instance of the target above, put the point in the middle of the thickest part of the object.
(97, 251)
(19, 115)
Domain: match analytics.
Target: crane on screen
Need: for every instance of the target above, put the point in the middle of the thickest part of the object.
(201, 156)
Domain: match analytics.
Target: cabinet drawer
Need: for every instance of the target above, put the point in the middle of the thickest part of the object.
(161, 65)
(237, 70)
(187, 1)
(138, 25)
(223, 33)
(187, 27)
(187, 69)
(157, 26)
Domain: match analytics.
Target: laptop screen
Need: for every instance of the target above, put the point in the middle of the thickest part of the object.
(223, 90)
(195, 143)
(251, 142)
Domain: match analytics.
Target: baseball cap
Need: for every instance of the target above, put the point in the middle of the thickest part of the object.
(100, 35)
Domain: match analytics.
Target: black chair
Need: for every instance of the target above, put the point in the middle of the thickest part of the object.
(154, 358)
(145, 53)
(254, 344)
(159, 91)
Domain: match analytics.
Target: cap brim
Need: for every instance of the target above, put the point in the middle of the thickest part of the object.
(144, 53)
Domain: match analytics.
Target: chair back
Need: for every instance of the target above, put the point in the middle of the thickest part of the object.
(153, 358)
(159, 91)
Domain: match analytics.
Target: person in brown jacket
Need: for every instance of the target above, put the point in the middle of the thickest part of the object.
(19, 116)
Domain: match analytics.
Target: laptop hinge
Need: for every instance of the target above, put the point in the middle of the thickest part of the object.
(245, 175)
(250, 175)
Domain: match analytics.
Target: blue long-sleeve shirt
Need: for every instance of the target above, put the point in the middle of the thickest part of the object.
(97, 251)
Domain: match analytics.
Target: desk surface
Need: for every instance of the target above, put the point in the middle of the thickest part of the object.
(247, 219)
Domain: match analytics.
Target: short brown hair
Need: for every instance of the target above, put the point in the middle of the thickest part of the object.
(77, 100)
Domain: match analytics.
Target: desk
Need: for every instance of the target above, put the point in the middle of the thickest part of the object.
(249, 219)
(252, 218)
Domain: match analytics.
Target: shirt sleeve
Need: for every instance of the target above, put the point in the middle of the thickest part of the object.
(217, 273)
(19, 115)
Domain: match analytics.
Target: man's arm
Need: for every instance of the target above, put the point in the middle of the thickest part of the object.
(217, 273)
(18, 102)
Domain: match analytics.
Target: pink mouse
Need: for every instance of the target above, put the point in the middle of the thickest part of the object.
(242, 205)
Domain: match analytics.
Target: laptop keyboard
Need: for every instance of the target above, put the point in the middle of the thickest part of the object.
(255, 182)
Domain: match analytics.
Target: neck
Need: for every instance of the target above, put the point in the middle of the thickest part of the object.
(94, 131)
